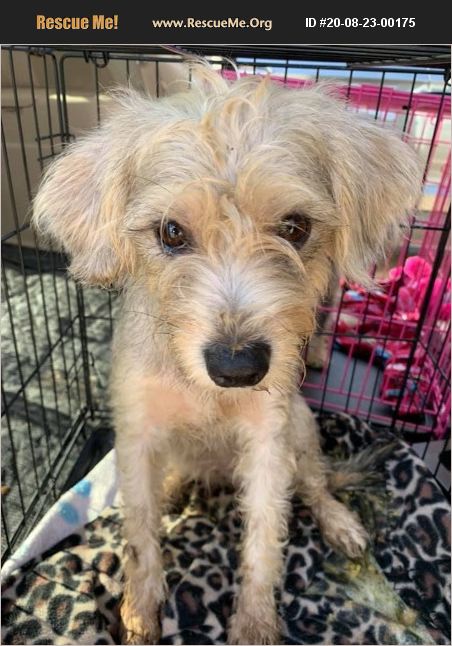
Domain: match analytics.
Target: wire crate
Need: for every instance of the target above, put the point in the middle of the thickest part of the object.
(56, 335)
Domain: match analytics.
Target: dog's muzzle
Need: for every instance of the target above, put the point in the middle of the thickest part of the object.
(237, 368)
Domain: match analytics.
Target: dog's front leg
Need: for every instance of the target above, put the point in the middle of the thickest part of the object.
(141, 479)
(265, 474)
(340, 527)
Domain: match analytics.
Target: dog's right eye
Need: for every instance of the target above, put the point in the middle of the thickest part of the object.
(172, 236)
(296, 229)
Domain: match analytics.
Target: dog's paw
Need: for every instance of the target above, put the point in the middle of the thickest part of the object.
(342, 529)
(245, 628)
(138, 628)
(318, 352)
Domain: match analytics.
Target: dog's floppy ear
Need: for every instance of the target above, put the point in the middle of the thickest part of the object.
(80, 204)
(375, 181)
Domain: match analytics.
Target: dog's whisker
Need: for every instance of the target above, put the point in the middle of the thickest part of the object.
(152, 181)
(154, 316)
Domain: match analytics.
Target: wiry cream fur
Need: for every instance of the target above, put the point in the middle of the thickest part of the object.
(228, 163)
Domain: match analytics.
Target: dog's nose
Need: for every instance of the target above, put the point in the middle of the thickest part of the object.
(237, 368)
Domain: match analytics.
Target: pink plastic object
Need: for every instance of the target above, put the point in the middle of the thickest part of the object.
(410, 378)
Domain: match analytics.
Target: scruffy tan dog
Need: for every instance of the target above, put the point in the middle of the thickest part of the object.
(222, 212)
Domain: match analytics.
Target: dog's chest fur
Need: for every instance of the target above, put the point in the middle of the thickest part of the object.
(198, 434)
(208, 454)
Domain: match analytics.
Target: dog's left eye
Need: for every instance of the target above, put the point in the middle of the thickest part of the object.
(295, 228)
(173, 237)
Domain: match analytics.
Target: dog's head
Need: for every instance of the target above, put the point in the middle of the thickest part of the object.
(233, 204)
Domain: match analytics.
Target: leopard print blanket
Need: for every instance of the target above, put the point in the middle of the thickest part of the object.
(398, 593)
